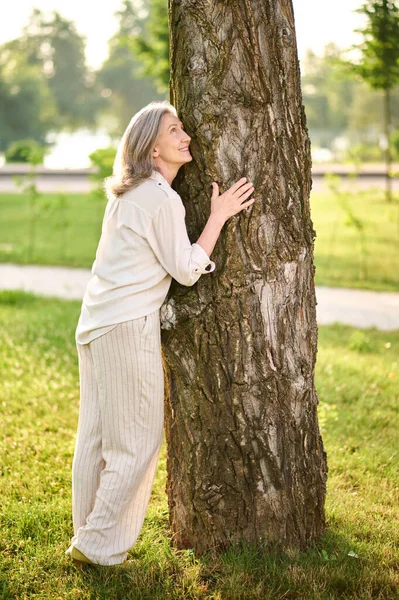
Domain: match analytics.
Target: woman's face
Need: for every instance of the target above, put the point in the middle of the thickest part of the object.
(172, 146)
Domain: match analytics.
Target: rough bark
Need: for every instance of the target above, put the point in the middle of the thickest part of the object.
(245, 456)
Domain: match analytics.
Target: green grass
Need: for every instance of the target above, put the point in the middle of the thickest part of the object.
(340, 258)
(77, 248)
(357, 558)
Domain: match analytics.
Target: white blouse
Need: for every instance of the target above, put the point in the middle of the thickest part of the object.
(143, 244)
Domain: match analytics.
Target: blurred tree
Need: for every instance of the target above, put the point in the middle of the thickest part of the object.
(152, 43)
(27, 106)
(378, 64)
(365, 122)
(25, 151)
(54, 45)
(395, 144)
(123, 85)
(339, 104)
(327, 95)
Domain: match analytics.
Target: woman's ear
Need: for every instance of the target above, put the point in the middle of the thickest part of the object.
(155, 153)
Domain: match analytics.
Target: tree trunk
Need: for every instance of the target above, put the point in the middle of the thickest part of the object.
(245, 457)
(388, 150)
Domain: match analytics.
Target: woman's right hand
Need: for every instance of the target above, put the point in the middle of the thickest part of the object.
(233, 201)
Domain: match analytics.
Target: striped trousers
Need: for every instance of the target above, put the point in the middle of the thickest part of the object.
(120, 432)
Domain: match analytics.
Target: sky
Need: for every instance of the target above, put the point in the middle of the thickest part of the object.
(317, 22)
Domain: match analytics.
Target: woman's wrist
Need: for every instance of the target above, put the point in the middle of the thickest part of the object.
(211, 232)
(217, 220)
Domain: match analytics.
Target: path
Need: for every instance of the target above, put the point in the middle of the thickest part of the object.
(359, 308)
(77, 180)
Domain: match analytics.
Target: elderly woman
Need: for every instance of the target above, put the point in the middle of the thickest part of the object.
(144, 243)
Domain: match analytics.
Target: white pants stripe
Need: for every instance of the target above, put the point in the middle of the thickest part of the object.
(119, 437)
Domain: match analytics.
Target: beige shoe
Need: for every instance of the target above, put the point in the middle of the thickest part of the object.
(79, 559)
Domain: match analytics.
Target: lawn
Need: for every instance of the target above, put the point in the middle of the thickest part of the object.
(357, 240)
(357, 558)
(67, 229)
(357, 243)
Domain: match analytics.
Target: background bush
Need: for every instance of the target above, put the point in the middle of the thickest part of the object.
(25, 151)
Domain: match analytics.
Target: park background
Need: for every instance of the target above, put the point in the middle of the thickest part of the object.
(75, 99)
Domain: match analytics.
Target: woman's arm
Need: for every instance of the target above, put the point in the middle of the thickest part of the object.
(209, 236)
(168, 238)
(222, 208)
(167, 233)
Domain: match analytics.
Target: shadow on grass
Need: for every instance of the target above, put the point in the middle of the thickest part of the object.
(5, 593)
(330, 569)
(17, 298)
(349, 562)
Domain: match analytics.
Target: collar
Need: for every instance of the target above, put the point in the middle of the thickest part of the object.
(158, 177)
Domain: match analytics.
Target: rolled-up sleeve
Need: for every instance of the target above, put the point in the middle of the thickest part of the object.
(168, 238)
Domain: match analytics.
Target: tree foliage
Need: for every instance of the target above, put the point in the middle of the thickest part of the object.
(25, 151)
(152, 43)
(124, 88)
(379, 63)
(45, 82)
(339, 103)
(55, 45)
(379, 58)
(366, 109)
(327, 94)
(27, 106)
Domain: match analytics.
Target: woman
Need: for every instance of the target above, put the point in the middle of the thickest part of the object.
(143, 244)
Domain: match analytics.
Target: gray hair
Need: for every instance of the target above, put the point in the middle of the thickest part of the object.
(134, 162)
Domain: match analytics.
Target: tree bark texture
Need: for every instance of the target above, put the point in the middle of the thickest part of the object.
(245, 457)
